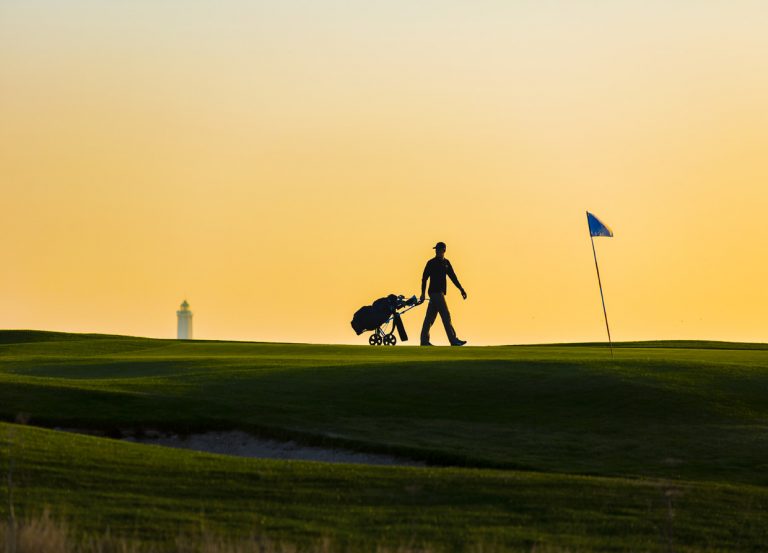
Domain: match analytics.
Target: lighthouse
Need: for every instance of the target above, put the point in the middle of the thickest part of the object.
(184, 316)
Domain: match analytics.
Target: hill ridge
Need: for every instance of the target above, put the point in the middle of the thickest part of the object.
(21, 336)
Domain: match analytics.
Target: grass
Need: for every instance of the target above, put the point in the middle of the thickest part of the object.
(662, 448)
(153, 495)
(685, 412)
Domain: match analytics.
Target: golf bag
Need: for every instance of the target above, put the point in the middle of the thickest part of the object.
(380, 313)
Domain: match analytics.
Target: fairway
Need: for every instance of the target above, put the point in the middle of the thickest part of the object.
(558, 445)
(668, 412)
(155, 493)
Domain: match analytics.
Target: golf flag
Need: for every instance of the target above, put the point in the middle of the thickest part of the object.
(597, 227)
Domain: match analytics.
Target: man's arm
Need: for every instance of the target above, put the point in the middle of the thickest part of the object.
(455, 280)
(424, 278)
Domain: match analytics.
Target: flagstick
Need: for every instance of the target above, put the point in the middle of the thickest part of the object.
(599, 283)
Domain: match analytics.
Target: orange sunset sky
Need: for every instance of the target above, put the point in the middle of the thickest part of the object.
(280, 164)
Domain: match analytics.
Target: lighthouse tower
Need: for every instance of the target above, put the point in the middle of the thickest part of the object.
(184, 316)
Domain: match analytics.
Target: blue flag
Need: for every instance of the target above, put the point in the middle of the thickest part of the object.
(596, 226)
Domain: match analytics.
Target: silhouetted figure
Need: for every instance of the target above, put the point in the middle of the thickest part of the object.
(436, 270)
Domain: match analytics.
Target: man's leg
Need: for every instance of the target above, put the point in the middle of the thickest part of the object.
(445, 315)
(429, 318)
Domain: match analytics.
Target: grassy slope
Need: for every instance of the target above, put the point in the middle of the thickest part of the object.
(154, 493)
(688, 412)
(673, 412)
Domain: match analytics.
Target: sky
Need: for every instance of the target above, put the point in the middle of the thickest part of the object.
(280, 164)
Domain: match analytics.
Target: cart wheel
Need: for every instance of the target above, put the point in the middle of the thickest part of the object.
(378, 339)
(392, 340)
(387, 339)
(372, 339)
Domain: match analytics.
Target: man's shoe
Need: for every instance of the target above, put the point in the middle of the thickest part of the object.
(458, 342)
(427, 344)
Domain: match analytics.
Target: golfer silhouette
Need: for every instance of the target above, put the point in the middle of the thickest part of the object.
(436, 270)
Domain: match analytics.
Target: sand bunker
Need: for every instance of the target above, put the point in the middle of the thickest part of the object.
(241, 444)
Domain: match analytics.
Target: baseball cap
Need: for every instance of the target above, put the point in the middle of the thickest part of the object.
(439, 246)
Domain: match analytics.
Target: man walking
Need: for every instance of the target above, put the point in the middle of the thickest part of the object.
(436, 270)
